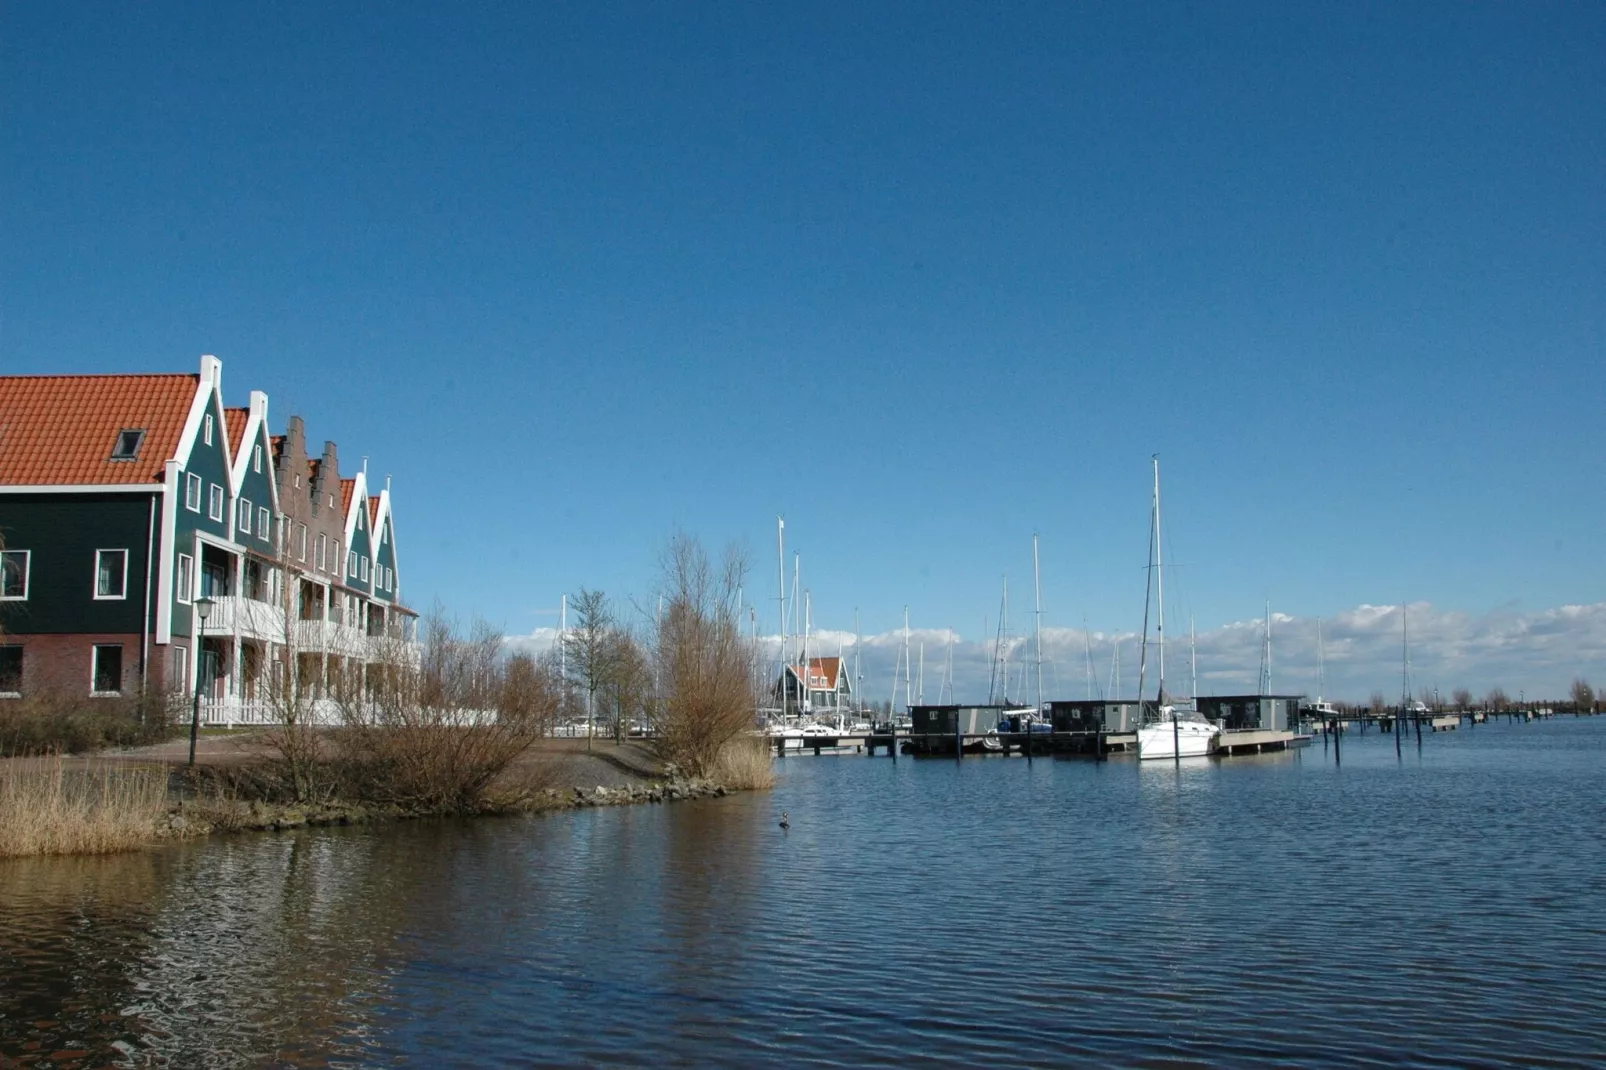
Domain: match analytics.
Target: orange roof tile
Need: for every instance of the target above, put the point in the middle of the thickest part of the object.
(373, 510)
(347, 488)
(236, 419)
(822, 674)
(60, 430)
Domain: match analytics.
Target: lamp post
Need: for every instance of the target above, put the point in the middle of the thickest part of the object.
(203, 609)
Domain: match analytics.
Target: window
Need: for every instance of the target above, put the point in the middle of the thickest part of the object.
(14, 575)
(256, 458)
(208, 429)
(301, 542)
(214, 508)
(351, 563)
(323, 554)
(245, 515)
(111, 573)
(365, 570)
(108, 669)
(126, 448)
(181, 670)
(390, 578)
(264, 524)
(10, 670)
(186, 577)
(192, 492)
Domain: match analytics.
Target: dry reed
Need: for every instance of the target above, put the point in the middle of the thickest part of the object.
(745, 765)
(47, 808)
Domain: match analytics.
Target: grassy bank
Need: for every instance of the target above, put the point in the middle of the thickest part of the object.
(56, 805)
(50, 808)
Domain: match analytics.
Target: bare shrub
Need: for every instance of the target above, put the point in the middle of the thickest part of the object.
(47, 808)
(434, 725)
(1583, 696)
(1496, 700)
(745, 764)
(51, 722)
(705, 670)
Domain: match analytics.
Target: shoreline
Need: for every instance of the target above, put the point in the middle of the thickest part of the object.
(214, 798)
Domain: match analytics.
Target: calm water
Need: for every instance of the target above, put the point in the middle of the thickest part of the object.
(1444, 910)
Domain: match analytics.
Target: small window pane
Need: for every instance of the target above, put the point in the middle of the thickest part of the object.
(10, 669)
(108, 669)
(13, 573)
(192, 492)
(245, 515)
(215, 507)
(111, 573)
(263, 526)
(127, 447)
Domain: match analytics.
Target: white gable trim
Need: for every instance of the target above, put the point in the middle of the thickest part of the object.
(164, 604)
(209, 389)
(255, 434)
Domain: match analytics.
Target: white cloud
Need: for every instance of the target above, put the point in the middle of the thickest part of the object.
(1537, 652)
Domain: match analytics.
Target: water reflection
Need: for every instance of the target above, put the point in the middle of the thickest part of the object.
(1270, 910)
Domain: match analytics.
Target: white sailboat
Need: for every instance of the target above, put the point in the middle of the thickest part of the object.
(1178, 732)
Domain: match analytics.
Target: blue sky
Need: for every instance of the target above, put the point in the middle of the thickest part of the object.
(924, 278)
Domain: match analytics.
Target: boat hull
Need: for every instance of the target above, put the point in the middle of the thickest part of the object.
(1186, 739)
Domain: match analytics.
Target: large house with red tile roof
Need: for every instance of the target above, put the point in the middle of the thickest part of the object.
(821, 688)
(124, 499)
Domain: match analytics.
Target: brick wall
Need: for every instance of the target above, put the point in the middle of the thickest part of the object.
(65, 663)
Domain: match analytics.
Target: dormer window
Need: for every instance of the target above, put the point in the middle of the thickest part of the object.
(128, 443)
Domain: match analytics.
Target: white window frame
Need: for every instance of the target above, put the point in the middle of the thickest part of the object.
(321, 554)
(351, 563)
(186, 578)
(264, 524)
(192, 492)
(243, 511)
(214, 505)
(181, 670)
(208, 431)
(94, 669)
(95, 586)
(27, 573)
(256, 458)
(364, 563)
(301, 542)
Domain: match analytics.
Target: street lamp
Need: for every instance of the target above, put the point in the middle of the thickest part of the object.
(203, 609)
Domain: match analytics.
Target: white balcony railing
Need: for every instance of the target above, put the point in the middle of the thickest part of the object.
(237, 615)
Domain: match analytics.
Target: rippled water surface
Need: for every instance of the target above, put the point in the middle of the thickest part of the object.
(1447, 909)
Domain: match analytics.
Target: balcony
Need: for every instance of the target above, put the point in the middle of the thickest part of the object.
(237, 615)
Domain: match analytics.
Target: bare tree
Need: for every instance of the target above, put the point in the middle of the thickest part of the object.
(437, 722)
(1496, 700)
(628, 686)
(1379, 704)
(589, 648)
(1462, 698)
(1583, 696)
(704, 665)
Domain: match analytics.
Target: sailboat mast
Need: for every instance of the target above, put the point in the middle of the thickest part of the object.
(780, 597)
(857, 643)
(1321, 667)
(1037, 584)
(908, 693)
(1159, 576)
(1003, 642)
(921, 687)
(1193, 659)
